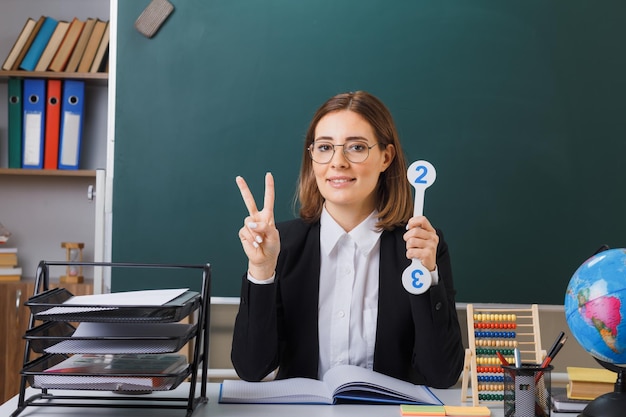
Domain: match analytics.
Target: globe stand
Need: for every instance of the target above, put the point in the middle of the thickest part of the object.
(612, 404)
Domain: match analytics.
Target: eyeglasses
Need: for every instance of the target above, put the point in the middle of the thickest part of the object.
(355, 151)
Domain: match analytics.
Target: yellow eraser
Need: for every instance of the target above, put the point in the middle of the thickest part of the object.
(453, 410)
(422, 410)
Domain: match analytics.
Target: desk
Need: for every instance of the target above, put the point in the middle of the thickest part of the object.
(214, 409)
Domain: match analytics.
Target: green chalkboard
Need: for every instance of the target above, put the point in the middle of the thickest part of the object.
(519, 105)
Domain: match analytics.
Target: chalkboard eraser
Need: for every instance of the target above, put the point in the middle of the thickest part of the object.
(153, 16)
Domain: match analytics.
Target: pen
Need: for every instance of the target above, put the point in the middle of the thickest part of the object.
(554, 345)
(557, 348)
(518, 358)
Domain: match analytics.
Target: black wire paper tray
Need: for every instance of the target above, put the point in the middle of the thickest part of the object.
(109, 338)
(123, 382)
(55, 305)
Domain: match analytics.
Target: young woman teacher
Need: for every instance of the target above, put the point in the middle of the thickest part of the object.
(325, 289)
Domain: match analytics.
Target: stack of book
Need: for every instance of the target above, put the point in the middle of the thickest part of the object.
(562, 404)
(9, 269)
(583, 386)
(589, 383)
(48, 44)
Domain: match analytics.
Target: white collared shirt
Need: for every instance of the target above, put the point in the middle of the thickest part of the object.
(348, 293)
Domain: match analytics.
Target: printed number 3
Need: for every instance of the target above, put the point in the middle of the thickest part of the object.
(416, 279)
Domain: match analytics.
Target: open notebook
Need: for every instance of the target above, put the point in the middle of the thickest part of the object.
(344, 383)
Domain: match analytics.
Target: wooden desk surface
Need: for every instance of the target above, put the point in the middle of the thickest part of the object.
(213, 408)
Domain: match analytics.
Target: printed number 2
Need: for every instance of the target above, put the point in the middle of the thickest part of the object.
(416, 279)
(422, 171)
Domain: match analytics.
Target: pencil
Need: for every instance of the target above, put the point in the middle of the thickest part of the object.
(556, 342)
(502, 358)
(550, 358)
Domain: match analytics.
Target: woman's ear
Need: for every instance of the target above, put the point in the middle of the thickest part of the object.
(389, 153)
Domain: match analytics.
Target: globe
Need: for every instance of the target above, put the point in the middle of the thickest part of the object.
(595, 311)
(595, 306)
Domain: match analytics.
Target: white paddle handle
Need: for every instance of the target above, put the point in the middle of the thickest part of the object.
(416, 279)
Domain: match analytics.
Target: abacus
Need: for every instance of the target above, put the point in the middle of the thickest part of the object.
(491, 330)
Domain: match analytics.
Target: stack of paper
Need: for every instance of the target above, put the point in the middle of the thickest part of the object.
(109, 338)
(111, 301)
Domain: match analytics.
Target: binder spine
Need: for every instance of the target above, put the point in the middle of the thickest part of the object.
(15, 122)
(71, 124)
(33, 123)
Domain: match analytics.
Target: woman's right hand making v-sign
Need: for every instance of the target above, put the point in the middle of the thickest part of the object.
(259, 236)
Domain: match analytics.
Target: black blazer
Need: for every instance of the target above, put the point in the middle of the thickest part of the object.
(418, 337)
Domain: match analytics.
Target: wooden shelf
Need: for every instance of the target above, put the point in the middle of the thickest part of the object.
(99, 77)
(49, 172)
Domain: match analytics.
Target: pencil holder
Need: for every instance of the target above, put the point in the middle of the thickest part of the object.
(527, 391)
